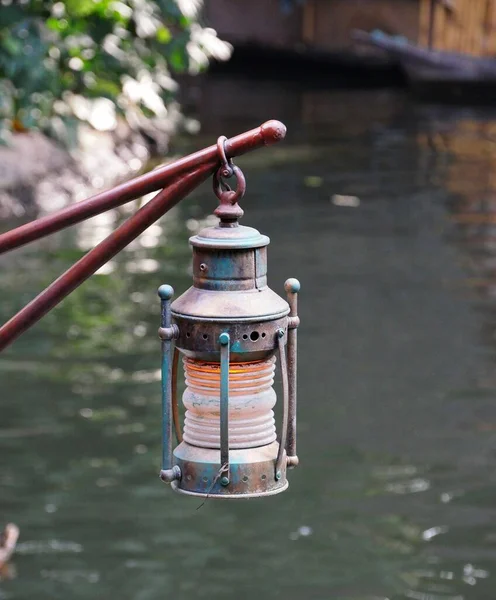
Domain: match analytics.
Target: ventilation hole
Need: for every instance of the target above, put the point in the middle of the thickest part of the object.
(188, 477)
(203, 267)
(245, 478)
(245, 336)
(264, 334)
(205, 336)
(263, 478)
(254, 335)
(205, 480)
(188, 334)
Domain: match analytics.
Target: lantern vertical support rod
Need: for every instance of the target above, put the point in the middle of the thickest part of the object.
(292, 287)
(165, 293)
(224, 340)
(285, 403)
(167, 333)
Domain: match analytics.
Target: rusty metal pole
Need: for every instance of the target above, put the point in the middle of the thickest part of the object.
(268, 133)
(101, 254)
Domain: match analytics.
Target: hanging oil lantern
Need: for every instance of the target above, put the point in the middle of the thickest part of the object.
(228, 330)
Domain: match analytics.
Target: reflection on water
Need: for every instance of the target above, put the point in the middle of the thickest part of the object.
(386, 212)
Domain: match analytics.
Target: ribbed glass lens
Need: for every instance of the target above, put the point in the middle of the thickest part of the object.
(251, 399)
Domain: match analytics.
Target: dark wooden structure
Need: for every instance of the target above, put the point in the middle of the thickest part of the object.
(444, 47)
(313, 27)
(460, 26)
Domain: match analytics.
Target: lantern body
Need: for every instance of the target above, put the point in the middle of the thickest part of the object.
(229, 446)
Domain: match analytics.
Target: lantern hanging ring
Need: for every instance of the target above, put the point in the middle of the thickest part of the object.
(223, 190)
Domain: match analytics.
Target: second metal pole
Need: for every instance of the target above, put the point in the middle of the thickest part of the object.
(101, 254)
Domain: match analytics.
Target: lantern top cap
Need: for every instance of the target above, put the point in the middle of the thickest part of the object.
(240, 237)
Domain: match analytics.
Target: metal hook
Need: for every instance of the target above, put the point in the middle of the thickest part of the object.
(226, 164)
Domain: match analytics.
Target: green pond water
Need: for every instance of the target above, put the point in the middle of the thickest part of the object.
(386, 212)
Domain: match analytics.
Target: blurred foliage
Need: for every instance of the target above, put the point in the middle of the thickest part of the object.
(93, 60)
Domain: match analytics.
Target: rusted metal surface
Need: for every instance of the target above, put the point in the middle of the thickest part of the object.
(251, 472)
(249, 341)
(225, 305)
(101, 254)
(233, 270)
(265, 135)
(236, 237)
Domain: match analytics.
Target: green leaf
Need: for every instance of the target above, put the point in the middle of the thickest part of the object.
(178, 59)
(104, 87)
(12, 45)
(81, 8)
(56, 24)
(164, 36)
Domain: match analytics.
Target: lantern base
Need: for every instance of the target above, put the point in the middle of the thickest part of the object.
(251, 474)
